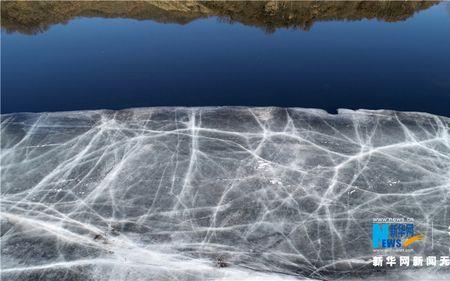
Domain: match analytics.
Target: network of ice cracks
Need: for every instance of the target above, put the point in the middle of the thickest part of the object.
(226, 193)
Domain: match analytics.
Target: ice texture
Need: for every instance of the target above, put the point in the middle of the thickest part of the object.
(224, 193)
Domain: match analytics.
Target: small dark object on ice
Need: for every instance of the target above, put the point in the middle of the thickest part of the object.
(221, 262)
(98, 237)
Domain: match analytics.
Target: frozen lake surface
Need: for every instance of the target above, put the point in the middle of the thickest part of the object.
(226, 193)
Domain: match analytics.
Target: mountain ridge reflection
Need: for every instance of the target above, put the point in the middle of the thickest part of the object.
(32, 17)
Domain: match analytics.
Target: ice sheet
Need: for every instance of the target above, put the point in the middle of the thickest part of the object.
(227, 193)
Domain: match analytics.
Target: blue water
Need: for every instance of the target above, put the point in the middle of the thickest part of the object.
(96, 63)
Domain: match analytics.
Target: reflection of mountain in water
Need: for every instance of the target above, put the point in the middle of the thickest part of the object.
(34, 17)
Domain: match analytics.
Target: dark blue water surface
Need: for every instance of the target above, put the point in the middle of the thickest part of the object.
(96, 63)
